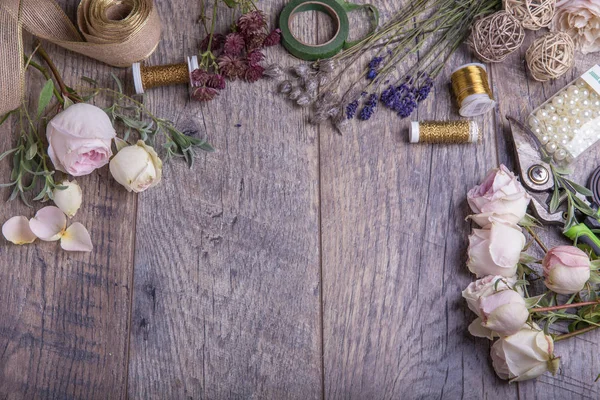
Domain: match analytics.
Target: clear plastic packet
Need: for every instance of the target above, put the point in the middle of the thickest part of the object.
(568, 123)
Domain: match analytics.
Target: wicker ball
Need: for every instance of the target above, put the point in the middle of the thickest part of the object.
(533, 14)
(494, 37)
(550, 56)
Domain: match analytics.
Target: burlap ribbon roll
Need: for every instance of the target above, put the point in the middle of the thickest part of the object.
(116, 32)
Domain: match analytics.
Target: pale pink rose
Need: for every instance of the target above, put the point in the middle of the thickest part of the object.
(566, 269)
(501, 310)
(495, 250)
(500, 195)
(580, 19)
(524, 355)
(79, 139)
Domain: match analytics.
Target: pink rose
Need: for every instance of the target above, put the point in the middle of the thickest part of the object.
(495, 250)
(79, 139)
(501, 195)
(501, 310)
(566, 269)
(580, 19)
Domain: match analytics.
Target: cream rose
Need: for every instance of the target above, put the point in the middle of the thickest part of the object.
(566, 269)
(524, 355)
(496, 249)
(136, 167)
(79, 139)
(500, 195)
(580, 19)
(501, 310)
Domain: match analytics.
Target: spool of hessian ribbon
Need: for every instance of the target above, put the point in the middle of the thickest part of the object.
(338, 11)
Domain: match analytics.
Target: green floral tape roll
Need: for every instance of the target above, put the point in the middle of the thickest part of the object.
(338, 13)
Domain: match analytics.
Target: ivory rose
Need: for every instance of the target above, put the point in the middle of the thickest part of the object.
(580, 19)
(501, 310)
(501, 195)
(79, 139)
(566, 269)
(496, 249)
(137, 167)
(524, 355)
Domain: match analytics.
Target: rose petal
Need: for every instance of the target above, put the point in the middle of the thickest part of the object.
(48, 223)
(17, 231)
(76, 238)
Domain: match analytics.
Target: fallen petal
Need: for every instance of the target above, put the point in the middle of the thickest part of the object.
(49, 223)
(68, 199)
(17, 231)
(76, 238)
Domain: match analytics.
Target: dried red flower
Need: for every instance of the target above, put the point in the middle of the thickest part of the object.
(273, 38)
(254, 73)
(255, 41)
(216, 81)
(234, 44)
(251, 22)
(216, 44)
(231, 67)
(199, 77)
(255, 57)
(204, 93)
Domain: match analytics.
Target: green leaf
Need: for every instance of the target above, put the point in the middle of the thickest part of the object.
(581, 206)
(118, 81)
(8, 152)
(120, 143)
(45, 96)
(555, 202)
(5, 116)
(89, 80)
(31, 151)
(527, 259)
(580, 189)
(68, 103)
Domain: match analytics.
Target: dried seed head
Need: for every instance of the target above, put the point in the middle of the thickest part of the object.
(334, 112)
(324, 79)
(318, 118)
(285, 87)
(303, 100)
(301, 70)
(274, 71)
(311, 85)
(327, 66)
(295, 93)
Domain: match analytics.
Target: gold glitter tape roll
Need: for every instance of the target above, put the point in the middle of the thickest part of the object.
(471, 89)
(445, 132)
(145, 77)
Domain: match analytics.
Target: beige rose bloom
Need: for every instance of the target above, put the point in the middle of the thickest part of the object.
(580, 19)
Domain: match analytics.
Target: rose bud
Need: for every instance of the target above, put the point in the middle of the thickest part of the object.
(137, 167)
(501, 311)
(79, 139)
(495, 250)
(566, 269)
(69, 199)
(525, 355)
(500, 194)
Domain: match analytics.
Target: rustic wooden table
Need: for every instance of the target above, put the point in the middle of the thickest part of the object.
(292, 263)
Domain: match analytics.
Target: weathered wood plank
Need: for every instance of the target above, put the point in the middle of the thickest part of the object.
(64, 316)
(519, 95)
(227, 300)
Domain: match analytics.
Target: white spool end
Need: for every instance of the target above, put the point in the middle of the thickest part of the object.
(474, 135)
(475, 105)
(413, 132)
(469, 65)
(137, 78)
(192, 63)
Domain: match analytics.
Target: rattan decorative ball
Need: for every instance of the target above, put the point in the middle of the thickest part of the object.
(494, 37)
(550, 56)
(533, 14)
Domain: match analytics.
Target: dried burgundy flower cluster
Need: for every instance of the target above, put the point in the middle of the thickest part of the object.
(238, 55)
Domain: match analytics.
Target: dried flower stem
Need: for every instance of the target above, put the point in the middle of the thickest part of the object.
(63, 88)
(564, 306)
(536, 238)
(574, 333)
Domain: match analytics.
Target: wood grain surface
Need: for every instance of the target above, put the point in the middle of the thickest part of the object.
(292, 263)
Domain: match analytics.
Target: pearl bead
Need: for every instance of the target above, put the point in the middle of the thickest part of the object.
(550, 129)
(550, 108)
(596, 103)
(571, 102)
(594, 95)
(576, 121)
(554, 119)
(565, 120)
(533, 121)
(584, 94)
(585, 114)
(573, 91)
(585, 103)
(581, 83)
(542, 114)
(544, 139)
(558, 101)
(551, 147)
(560, 155)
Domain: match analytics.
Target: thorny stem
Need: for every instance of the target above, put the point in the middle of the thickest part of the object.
(59, 80)
(563, 306)
(537, 239)
(574, 333)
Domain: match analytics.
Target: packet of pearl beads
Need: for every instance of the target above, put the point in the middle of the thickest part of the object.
(569, 122)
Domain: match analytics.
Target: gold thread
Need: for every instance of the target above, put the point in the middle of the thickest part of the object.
(161, 75)
(445, 132)
(470, 80)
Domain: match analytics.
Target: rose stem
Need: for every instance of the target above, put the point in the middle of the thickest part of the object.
(61, 83)
(575, 333)
(537, 239)
(564, 306)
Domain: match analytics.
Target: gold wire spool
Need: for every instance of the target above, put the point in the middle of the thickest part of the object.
(444, 132)
(472, 91)
(146, 77)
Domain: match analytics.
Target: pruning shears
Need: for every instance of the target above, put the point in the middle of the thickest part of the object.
(538, 178)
